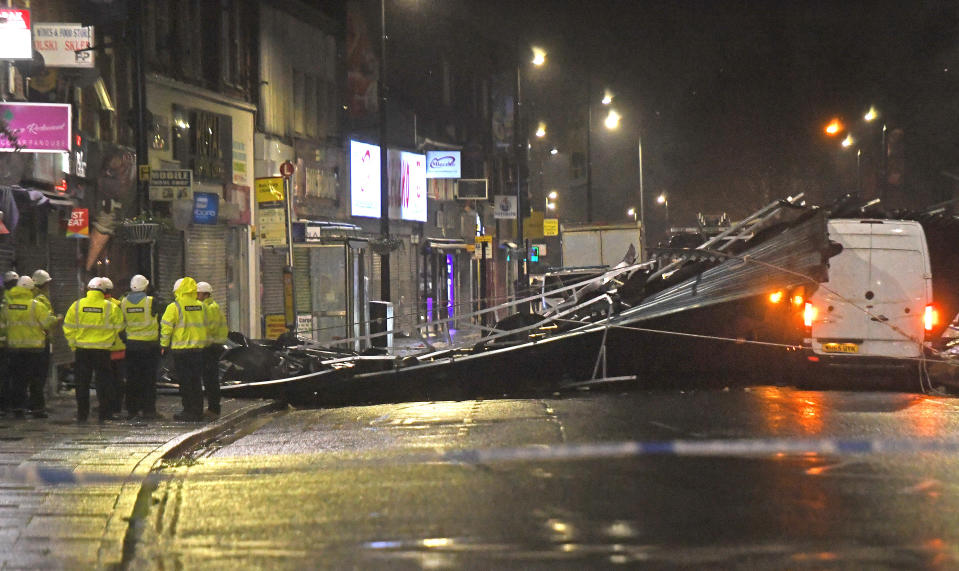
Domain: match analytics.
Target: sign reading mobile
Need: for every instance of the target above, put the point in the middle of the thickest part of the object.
(443, 164)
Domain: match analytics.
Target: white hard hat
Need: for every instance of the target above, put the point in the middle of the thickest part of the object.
(95, 283)
(203, 287)
(10, 276)
(107, 283)
(176, 284)
(25, 281)
(41, 277)
(139, 283)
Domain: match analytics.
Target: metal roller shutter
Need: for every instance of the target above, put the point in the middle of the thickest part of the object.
(302, 280)
(169, 256)
(272, 261)
(65, 288)
(206, 259)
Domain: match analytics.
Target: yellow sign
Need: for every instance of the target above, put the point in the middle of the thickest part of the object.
(533, 226)
(275, 325)
(485, 238)
(269, 189)
(551, 227)
(144, 172)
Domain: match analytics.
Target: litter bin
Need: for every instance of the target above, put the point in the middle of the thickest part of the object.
(381, 321)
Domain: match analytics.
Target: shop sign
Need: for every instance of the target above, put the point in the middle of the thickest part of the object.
(443, 164)
(271, 211)
(504, 207)
(274, 325)
(79, 224)
(550, 226)
(38, 127)
(171, 184)
(64, 45)
(15, 40)
(364, 180)
(206, 207)
(304, 325)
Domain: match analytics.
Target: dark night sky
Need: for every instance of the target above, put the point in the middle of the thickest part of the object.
(731, 96)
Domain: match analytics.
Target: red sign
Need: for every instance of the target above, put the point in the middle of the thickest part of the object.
(79, 224)
(286, 169)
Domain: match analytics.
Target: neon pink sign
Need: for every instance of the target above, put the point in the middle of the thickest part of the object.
(38, 127)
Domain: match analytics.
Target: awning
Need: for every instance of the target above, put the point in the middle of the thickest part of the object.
(446, 244)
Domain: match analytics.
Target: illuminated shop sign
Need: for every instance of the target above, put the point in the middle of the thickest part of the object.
(364, 179)
(38, 127)
(443, 164)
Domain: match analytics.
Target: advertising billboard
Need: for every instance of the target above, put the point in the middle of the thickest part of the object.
(443, 164)
(407, 186)
(64, 45)
(364, 179)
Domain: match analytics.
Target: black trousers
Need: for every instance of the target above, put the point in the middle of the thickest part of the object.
(24, 372)
(211, 376)
(117, 389)
(141, 364)
(4, 382)
(188, 367)
(37, 387)
(90, 362)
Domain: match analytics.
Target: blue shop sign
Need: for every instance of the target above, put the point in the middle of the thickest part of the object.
(206, 206)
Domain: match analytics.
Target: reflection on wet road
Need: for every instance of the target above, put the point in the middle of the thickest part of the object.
(408, 485)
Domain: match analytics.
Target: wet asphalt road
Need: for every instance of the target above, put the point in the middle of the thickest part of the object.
(408, 486)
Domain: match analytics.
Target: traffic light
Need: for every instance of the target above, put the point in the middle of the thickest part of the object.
(534, 253)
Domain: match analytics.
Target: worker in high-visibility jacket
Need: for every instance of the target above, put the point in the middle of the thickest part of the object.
(184, 331)
(212, 352)
(91, 326)
(143, 349)
(117, 355)
(26, 322)
(10, 278)
(41, 293)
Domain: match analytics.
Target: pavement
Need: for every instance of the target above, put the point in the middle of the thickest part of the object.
(67, 490)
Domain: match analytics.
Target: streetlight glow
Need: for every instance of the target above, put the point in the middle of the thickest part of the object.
(834, 127)
(871, 114)
(607, 98)
(553, 151)
(661, 199)
(848, 141)
(553, 195)
(541, 130)
(539, 56)
(551, 206)
(612, 120)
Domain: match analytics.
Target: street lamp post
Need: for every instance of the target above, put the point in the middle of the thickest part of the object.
(384, 165)
(519, 142)
(642, 200)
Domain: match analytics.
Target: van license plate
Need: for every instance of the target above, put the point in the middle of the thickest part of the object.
(840, 347)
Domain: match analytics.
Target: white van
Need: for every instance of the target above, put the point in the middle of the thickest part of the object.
(877, 303)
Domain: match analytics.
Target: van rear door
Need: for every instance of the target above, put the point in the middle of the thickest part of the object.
(898, 289)
(841, 327)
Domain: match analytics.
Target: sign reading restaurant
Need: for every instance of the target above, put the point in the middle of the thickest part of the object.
(38, 127)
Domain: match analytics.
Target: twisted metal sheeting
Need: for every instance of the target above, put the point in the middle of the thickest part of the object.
(794, 257)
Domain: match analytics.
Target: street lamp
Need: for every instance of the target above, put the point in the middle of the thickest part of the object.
(519, 133)
(632, 212)
(662, 199)
(551, 200)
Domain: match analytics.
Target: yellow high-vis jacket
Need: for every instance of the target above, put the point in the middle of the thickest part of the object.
(25, 320)
(217, 321)
(93, 322)
(141, 321)
(184, 324)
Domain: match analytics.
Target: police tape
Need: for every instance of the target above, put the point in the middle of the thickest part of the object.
(41, 475)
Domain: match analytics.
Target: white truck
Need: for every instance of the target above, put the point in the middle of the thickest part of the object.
(599, 245)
